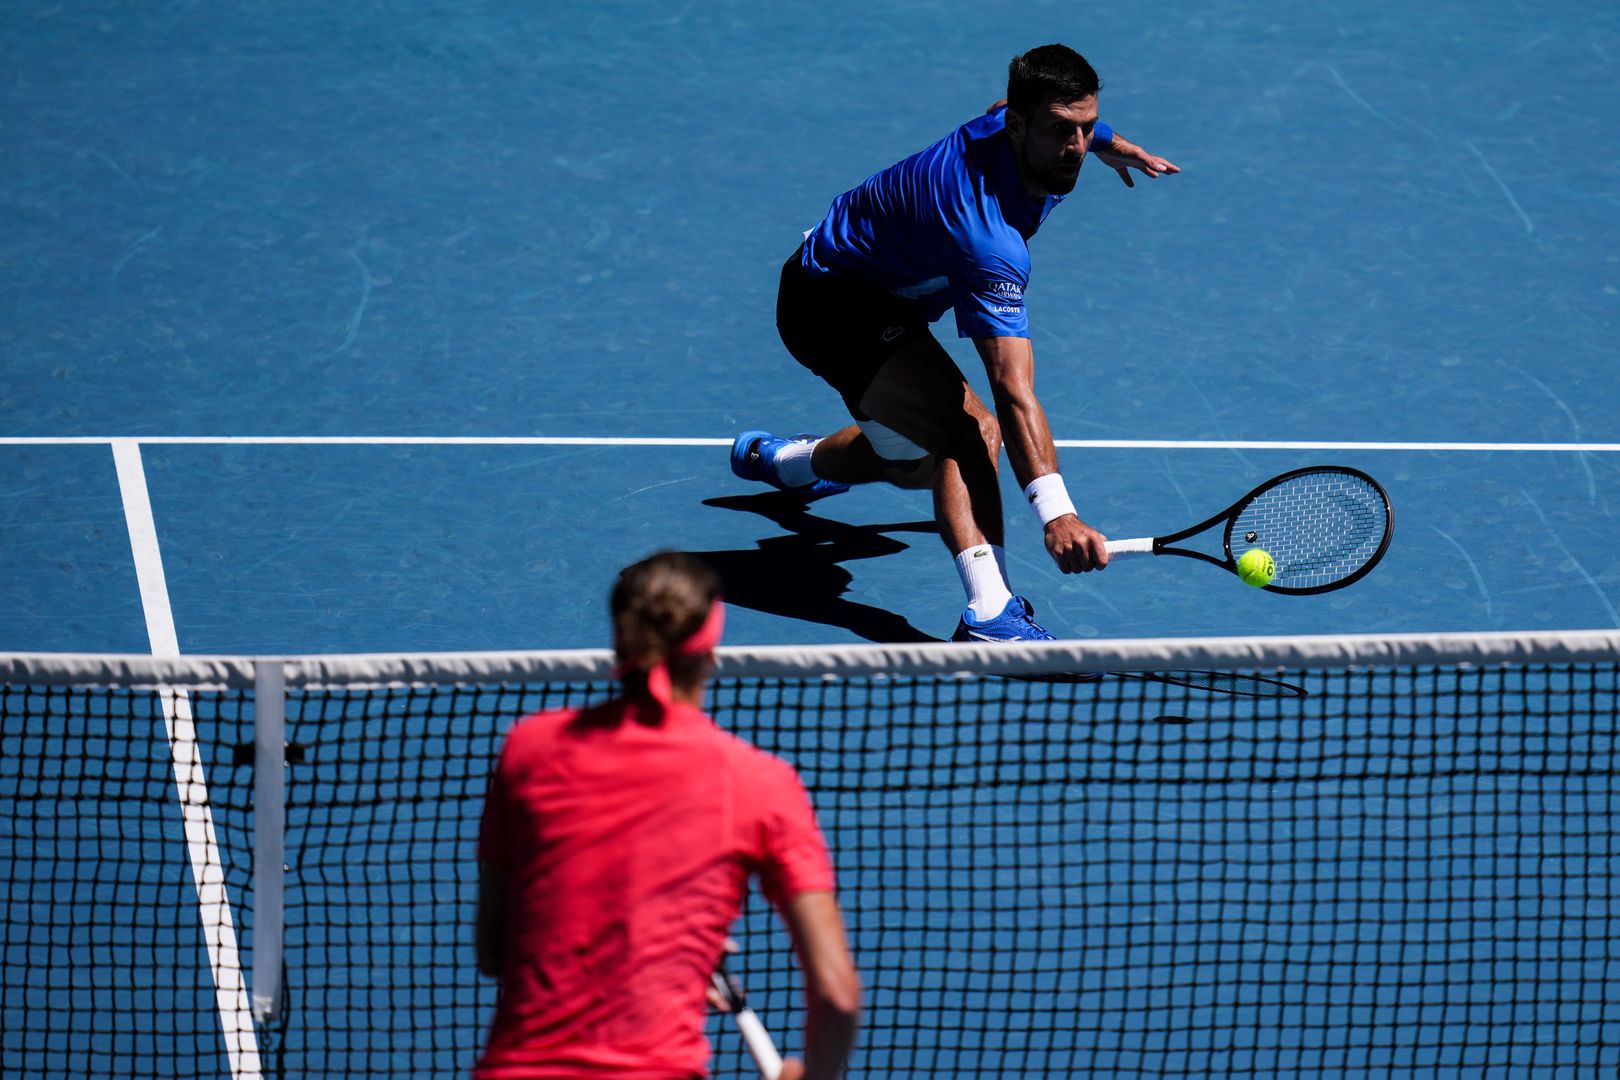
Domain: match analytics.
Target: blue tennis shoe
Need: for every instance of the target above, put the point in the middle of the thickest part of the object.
(1015, 623)
(753, 457)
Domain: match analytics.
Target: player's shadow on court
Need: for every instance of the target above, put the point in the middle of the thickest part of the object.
(800, 576)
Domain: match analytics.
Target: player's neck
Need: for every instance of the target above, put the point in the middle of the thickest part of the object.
(688, 695)
(1032, 188)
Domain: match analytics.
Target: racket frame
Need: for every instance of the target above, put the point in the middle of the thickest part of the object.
(1227, 561)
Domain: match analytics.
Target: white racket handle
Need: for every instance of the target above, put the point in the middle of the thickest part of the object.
(1140, 546)
(758, 1041)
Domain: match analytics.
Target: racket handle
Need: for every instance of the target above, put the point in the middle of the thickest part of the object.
(758, 1041)
(1140, 546)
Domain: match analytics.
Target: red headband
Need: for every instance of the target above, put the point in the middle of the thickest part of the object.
(703, 639)
(706, 637)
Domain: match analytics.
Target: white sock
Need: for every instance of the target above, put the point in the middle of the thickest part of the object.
(1001, 564)
(793, 464)
(987, 591)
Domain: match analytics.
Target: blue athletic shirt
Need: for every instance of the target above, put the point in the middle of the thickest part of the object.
(947, 227)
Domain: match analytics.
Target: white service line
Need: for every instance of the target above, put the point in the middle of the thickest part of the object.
(143, 544)
(207, 871)
(1271, 444)
(636, 440)
(359, 440)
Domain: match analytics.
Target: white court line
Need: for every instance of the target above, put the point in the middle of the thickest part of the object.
(615, 440)
(207, 871)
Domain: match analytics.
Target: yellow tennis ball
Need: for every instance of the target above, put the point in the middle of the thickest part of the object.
(1257, 568)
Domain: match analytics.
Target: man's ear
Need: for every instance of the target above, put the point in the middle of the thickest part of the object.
(1015, 125)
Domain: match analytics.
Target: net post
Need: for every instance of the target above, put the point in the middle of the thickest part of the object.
(269, 833)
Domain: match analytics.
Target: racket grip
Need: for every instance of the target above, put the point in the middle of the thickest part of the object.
(1140, 546)
(758, 1041)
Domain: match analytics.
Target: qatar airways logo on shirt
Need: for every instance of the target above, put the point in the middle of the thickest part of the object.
(1011, 295)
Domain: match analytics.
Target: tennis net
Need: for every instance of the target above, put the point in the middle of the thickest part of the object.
(1278, 857)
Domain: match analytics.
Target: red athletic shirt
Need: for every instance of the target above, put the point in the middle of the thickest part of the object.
(626, 847)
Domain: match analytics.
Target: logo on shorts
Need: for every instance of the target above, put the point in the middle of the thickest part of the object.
(893, 332)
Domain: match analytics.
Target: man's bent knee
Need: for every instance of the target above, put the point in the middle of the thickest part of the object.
(902, 462)
(916, 474)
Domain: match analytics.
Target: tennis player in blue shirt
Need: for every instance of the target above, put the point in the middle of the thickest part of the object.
(948, 229)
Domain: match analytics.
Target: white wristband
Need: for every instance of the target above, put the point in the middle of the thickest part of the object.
(1048, 498)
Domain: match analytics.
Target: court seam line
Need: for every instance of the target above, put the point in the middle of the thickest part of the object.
(202, 843)
(632, 440)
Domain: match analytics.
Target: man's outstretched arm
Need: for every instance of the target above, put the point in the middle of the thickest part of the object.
(1122, 155)
(1010, 363)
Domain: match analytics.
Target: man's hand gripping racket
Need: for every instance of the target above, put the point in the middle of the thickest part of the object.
(1325, 527)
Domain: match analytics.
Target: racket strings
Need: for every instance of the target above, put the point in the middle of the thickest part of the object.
(1319, 527)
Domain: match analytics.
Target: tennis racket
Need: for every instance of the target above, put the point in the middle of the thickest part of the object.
(754, 1035)
(1325, 527)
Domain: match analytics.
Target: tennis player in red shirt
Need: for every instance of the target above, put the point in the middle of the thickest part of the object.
(615, 853)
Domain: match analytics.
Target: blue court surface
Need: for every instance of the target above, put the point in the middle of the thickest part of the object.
(504, 220)
(412, 323)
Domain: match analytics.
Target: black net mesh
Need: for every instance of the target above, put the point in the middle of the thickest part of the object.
(1401, 870)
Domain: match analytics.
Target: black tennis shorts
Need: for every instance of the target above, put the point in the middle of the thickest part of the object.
(843, 328)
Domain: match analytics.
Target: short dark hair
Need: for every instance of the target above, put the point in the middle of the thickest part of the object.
(1049, 73)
